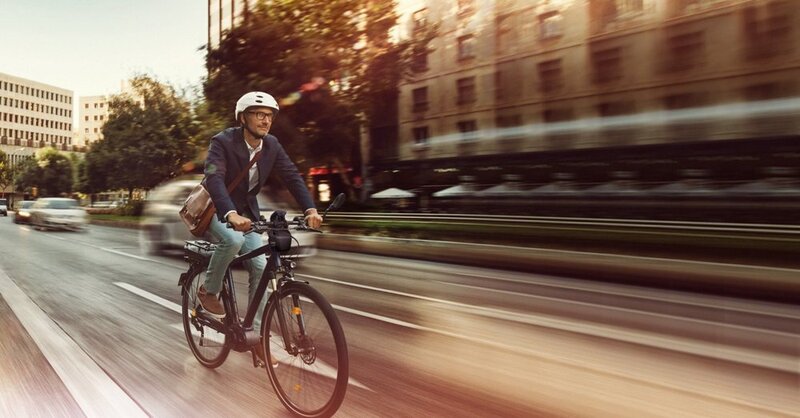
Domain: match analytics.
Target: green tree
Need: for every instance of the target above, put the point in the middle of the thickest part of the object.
(313, 56)
(5, 171)
(146, 139)
(50, 172)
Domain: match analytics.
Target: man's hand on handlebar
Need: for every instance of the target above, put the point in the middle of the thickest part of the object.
(239, 222)
(313, 219)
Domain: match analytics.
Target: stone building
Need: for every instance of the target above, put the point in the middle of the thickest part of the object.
(537, 88)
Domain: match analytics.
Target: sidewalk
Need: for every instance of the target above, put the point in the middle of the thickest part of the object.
(761, 282)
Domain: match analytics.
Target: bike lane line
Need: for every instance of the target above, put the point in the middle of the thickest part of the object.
(323, 368)
(97, 394)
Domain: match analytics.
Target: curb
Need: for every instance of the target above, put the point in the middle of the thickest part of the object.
(760, 282)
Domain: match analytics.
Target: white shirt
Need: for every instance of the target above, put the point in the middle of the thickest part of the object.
(253, 174)
(254, 169)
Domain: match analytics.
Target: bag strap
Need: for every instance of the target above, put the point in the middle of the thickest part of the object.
(245, 171)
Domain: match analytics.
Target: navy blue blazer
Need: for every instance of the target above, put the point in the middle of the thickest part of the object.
(228, 156)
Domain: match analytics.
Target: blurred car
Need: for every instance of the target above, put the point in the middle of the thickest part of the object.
(162, 228)
(4, 207)
(23, 213)
(58, 213)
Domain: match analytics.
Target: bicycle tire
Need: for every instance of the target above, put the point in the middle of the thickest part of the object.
(209, 347)
(304, 382)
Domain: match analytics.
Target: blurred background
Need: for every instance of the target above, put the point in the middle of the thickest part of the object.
(555, 207)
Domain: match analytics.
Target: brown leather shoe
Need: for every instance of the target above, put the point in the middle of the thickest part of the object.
(210, 303)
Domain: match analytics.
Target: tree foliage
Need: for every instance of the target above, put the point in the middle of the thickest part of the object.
(146, 139)
(314, 57)
(5, 171)
(50, 172)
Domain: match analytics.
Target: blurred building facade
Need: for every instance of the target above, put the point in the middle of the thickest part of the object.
(93, 113)
(224, 15)
(33, 115)
(534, 89)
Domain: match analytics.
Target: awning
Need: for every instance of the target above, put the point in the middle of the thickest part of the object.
(392, 193)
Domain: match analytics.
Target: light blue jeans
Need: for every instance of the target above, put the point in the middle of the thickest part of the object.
(231, 243)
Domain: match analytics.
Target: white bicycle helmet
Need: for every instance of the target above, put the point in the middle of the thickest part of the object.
(255, 98)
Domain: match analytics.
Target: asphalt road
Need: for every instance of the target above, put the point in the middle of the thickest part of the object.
(89, 328)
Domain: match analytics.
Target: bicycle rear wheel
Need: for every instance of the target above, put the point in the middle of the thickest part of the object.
(208, 345)
(313, 368)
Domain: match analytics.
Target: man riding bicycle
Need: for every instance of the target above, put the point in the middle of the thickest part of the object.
(229, 153)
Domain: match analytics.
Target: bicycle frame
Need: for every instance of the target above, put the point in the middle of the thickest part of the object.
(241, 331)
(287, 314)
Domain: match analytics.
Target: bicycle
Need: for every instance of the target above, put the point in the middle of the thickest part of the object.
(299, 327)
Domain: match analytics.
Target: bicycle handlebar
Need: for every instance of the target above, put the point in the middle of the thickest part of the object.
(298, 222)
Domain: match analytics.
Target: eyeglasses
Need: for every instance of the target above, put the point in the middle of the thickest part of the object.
(262, 115)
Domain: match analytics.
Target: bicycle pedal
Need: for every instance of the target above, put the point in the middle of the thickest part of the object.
(257, 363)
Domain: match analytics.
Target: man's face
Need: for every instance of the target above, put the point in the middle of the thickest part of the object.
(259, 119)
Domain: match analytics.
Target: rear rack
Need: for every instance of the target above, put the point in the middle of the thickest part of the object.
(198, 252)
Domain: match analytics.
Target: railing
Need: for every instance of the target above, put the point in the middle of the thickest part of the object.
(751, 243)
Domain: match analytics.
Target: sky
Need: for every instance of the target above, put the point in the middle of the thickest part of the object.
(91, 46)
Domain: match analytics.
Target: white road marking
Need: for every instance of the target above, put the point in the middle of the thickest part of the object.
(321, 368)
(707, 349)
(623, 310)
(97, 394)
(149, 296)
(122, 253)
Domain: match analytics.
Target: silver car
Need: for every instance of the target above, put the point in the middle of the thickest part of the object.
(162, 228)
(58, 213)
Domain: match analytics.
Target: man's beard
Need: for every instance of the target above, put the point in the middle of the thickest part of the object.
(252, 132)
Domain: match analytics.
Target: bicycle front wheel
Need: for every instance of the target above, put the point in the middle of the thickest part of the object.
(208, 345)
(308, 343)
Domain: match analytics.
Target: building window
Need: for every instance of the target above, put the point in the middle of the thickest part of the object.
(556, 115)
(607, 65)
(550, 25)
(504, 37)
(768, 30)
(465, 7)
(420, 135)
(420, 99)
(419, 61)
(466, 128)
(508, 121)
(691, 6)
(550, 77)
(466, 90)
(684, 101)
(769, 91)
(610, 109)
(86, 118)
(626, 7)
(685, 51)
(466, 47)
(499, 86)
(420, 19)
